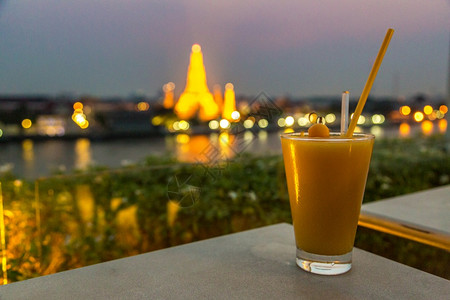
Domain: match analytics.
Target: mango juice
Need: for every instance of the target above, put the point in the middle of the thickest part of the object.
(326, 178)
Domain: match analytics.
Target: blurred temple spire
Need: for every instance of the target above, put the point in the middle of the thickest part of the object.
(196, 95)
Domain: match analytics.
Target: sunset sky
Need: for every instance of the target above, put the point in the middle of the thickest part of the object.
(299, 48)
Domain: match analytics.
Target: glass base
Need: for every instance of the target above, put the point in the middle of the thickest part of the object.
(324, 264)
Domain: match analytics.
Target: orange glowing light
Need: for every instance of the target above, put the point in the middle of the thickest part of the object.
(26, 123)
(192, 148)
(196, 95)
(143, 106)
(427, 127)
(77, 105)
(168, 89)
(418, 116)
(229, 104)
(428, 109)
(405, 110)
(404, 130)
(443, 109)
(442, 124)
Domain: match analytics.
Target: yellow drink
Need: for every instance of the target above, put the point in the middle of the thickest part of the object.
(326, 177)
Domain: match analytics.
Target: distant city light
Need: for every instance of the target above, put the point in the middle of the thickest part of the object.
(330, 118)
(312, 117)
(77, 105)
(1, 133)
(26, 123)
(176, 125)
(281, 122)
(378, 119)
(263, 123)
(428, 109)
(224, 124)
(183, 125)
(289, 121)
(213, 124)
(235, 115)
(143, 106)
(418, 116)
(361, 120)
(78, 117)
(157, 120)
(439, 114)
(249, 123)
(433, 115)
(303, 121)
(83, 125)
(443, 109)
(405, 110)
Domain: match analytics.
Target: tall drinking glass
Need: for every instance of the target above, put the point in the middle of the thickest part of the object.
(326, 178)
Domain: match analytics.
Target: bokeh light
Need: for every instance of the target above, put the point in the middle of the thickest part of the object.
(77, 105)
(418, 116)
(378, 119)
(143, 106)
(235, 115)
(427, 109)
(26, 123)
(361, 120)
(405, 110)
(213, 124)
(330, 118)
(249, 123)
(303, 121)
(183, 125)
(224, 124)
(263, 123)
(289, 121)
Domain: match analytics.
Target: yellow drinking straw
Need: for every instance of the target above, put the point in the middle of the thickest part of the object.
(369, 82)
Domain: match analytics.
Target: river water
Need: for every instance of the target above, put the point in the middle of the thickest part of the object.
(33, 159)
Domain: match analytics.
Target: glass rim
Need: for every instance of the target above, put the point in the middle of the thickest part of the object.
(356, 137)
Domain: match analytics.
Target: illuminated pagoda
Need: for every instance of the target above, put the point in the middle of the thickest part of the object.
(196, 96)
(229, 103)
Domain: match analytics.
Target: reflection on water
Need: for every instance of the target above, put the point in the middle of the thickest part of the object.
(28, 155)
(191, 148)
(427, 127)
(82, 153)
(41, 158)
(442, 125)
(404, 130)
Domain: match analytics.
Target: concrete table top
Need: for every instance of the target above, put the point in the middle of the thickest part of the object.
(423, 216)
(255, 264)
